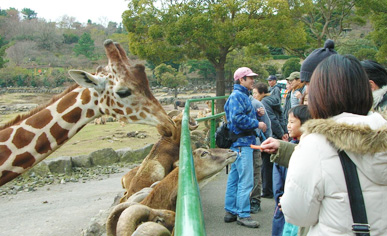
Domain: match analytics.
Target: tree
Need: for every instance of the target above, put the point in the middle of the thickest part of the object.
(360, 48)
(29, 14)
(169, 77)
(376, 10)
(85, 46)
(291, 65)
(203, 67)
(207, 29)
(3, 47)
(324, 18)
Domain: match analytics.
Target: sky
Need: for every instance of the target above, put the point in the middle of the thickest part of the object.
(52, 10)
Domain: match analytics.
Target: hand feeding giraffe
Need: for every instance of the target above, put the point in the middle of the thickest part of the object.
(119, 90)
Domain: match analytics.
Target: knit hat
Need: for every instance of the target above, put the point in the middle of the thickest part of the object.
(242, 72)
(293, 76)
(315, 58)
(271, 77)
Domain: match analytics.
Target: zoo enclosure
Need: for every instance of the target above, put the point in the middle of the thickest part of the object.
(189, 212)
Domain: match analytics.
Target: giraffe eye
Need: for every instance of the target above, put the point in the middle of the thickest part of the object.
(124, 93)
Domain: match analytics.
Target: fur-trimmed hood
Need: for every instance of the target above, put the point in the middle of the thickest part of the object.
(364, 138)
(355, 133)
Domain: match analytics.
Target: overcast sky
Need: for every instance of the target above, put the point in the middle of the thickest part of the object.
(52, 10)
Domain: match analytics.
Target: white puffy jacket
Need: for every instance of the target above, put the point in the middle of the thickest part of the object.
(315, 189)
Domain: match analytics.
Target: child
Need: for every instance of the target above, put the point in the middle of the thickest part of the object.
(298, 115)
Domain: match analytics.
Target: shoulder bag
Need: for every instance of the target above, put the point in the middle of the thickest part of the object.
(360, 226)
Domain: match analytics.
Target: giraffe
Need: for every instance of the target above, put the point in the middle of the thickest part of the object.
(119, 89)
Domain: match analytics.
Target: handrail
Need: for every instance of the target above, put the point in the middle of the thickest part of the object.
(189, 218)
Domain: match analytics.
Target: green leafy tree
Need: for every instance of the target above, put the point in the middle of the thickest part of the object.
(360, 48)
(3, 47)
(169, 77)
(203, 67)
(29, 14)
(85, 46)
(207, 29)
(324, 18)
(291, 65)
(271, 69)
(377, 12)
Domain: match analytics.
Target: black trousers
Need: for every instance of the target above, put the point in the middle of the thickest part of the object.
(267, 175)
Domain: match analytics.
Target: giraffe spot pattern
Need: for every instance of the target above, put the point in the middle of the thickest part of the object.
(89, 113)
(7, 176)
(146, 110)
(24, 160)
(85, 96)
(42, 144)
(73, 116)
(4, 154)
(142, 115)
(107, 112)
(120, 105)
(67, 101)
(60, 134)
(108, 101)
(22, 137)
(129, 110)
(40, 120)
(5, 134)
(96, 102)
(118, 111)
(133, 118)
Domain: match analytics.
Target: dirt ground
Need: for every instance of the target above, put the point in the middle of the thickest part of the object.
(60, 210)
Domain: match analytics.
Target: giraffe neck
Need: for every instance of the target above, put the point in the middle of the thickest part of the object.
(31, 140)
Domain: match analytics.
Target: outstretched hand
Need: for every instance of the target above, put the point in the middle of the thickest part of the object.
(270, 145)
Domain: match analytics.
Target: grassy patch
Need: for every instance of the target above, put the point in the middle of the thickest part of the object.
(111, 135)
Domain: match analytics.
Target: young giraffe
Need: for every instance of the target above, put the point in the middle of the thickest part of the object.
(118, 90)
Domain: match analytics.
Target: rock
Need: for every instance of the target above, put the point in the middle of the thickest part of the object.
(61, 165)
(41, 169)
(81, 161)
(104, 157)
(121, 152)
(136, 155)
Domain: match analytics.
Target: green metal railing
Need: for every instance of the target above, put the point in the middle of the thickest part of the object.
(189, 214)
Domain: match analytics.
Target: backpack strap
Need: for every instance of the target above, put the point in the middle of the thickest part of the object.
(360, 226)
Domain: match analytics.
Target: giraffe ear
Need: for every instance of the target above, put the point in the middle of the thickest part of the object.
(86, 80)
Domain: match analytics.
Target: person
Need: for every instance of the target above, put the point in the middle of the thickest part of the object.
(281, 151)
(377, 75)
(318, 198)
(274, 88)
(298, 115)
(241, 117)
(286, 107)
(298, 88)
(273, 107)
(264, 130)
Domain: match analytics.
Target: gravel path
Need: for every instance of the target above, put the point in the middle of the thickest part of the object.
(60, 209)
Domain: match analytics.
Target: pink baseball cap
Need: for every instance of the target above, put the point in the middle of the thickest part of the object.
(242, 72)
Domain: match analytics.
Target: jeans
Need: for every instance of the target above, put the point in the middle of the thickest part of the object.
(240, 183)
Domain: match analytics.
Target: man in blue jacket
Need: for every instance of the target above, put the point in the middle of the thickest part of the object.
(242, 119)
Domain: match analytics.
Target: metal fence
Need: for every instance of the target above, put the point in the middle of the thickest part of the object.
(189, 214)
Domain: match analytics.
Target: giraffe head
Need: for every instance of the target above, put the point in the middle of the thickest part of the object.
(123, 90)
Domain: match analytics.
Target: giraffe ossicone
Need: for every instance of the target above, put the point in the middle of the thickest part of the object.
(119, 89)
